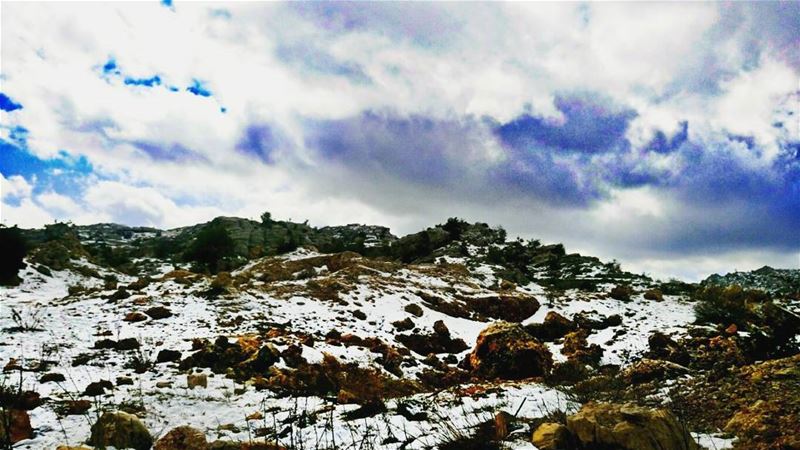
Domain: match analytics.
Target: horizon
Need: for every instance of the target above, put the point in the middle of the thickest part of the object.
(664, 136)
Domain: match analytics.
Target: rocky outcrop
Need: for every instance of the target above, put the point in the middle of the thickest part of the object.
(506, 351)
(120, 430)
(628, 427)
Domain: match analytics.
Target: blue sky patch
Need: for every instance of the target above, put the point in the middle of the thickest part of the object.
(8, 105)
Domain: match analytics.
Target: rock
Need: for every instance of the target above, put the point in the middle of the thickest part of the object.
(182, 438)
(577, 347)
(135, 316)
(168, 356)
(553, 436)
(19, 423)
(505, 350)
(52, 377)
(121, 430)
(74, 407)
(436, 342)
(441, 329)
(621, 292)
(97, 388)
(628, 427)
(591, 320)
(158, 312)
(70, 447)
(511, 308)
(651, 369)
(124, 381)
(194, 380)
(163, 384)
(553, 327)
(502, 425)
(127, 344)
(414, 310)
(404, 325)
(360, 315)
(654, 294)
(663, 347)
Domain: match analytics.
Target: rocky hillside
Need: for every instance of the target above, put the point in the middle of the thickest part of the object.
(776, 281)
(237, 334)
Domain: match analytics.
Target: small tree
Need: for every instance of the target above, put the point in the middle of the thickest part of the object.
(266, 219)
(210, 246)
(12, 252)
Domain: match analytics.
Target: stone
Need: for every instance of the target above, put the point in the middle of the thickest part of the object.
(168, 356)
(121, 430)
(553, 327)
(414, 310)
(194, 380)
(628, 427)
(182, 438)
(158, 312)
(502, 425)
(553, 436)
(52, 377)
(506, 351)
(135, 316)
(20, 426)
(654, 294)
(647, 370)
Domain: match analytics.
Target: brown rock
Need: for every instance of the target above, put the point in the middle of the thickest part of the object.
(194, 380)
(505, 350)
(20, 426)
(182, 438)
(414, 309)
(502, 425)
(135, 316)
(158, 312)
(654, 294)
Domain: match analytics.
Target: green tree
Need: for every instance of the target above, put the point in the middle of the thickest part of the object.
(210, 247)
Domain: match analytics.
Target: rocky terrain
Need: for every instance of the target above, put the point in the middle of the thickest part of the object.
(238, 334)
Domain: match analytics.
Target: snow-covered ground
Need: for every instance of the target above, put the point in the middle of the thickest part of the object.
(70, 326)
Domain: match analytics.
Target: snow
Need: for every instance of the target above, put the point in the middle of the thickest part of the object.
(72, 324)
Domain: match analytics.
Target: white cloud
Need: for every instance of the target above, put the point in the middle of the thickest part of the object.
(443, 61)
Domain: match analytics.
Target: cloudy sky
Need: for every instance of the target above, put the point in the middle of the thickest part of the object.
(663, 135)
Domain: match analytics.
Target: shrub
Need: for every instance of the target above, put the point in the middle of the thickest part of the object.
(12, 252)
(210, 247)
(727, 305)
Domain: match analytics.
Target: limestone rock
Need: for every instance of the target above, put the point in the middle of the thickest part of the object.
(120, 430)
(628, 427)
(553, 436)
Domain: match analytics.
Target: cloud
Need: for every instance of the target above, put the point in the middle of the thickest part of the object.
(649, 133)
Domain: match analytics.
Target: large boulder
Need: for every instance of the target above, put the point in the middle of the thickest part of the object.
(505, 350)
(553, 436)
(628, 427)
(182, 438)
(120, 430)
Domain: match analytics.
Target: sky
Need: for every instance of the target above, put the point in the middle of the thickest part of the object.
(663, 135)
